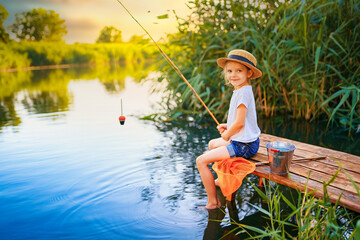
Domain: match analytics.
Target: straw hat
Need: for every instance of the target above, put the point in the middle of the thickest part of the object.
(243, 57)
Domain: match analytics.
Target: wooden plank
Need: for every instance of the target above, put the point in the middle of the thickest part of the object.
(325, 173)
(259, 158)
(349, 166)
(313, 149)
(328, 169)
(293, 161)
(263, 151)
(300, 153)
(339, 183)
(348, 162)
(261, 155)
(320, 171)
(349, 200)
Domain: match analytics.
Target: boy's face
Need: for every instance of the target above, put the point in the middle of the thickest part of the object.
(237, 74)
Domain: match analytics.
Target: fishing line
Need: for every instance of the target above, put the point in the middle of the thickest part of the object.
(121, 108)
(171, 62)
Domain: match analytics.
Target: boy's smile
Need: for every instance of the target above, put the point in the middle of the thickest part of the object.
(237, 74)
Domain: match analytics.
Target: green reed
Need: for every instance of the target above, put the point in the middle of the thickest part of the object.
(309, 217)
(309, 52)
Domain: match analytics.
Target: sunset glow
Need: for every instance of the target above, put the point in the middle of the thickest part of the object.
(85, 18)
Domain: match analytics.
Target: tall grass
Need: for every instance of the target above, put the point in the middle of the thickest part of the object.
(309, 217)
(309, 52)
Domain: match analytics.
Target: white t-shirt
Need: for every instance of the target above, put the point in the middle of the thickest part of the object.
(251, 131)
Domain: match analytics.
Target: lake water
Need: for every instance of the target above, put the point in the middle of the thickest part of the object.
(69, 170)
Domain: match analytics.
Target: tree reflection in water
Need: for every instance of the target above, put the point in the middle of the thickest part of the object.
(46, 91)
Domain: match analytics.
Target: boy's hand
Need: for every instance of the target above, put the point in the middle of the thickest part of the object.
(221, 128)
(225, 135)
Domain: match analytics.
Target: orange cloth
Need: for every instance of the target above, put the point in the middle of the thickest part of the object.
(231, 172)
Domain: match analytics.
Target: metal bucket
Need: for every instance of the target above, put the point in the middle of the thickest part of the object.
(280, 155)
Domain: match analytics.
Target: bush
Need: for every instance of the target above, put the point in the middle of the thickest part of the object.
(25, 54)
(12, 59)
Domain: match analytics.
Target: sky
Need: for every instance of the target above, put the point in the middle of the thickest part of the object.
(84, 19)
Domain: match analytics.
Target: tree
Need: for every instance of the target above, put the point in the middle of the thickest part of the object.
(4, 36)
(139, 39)
(109, 34)
(39, 25)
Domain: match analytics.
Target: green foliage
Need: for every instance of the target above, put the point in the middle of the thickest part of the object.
(139, 39)
(109, 35)
(38, 25)
(164, 16)
(345, 110)
(25, 54)
(308, 51)
(11, 58)
(308, 217)
(41, 53)
(4, 36)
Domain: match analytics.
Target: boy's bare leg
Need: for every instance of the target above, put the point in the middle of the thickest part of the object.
(215, 143)
(207, 178)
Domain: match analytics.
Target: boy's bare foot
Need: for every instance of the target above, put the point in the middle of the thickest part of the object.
(217, 182)
(213, 205)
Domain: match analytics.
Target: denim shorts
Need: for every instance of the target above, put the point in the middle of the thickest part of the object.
(245, 150)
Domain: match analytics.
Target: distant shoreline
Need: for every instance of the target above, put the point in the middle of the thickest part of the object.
(61, 66)
(45, 67)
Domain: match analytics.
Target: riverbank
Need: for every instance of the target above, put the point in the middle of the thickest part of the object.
(37, 55)
(61, 66)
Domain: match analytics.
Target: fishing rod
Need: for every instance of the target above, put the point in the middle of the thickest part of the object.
(171, 62)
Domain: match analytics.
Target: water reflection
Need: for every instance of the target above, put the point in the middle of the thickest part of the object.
(175, 180)
(216, 229)
(176, 156)
(86, 176)
(71, 171)
(46, 91)
(8, 115)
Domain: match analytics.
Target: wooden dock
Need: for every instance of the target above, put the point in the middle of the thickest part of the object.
(318, 171)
